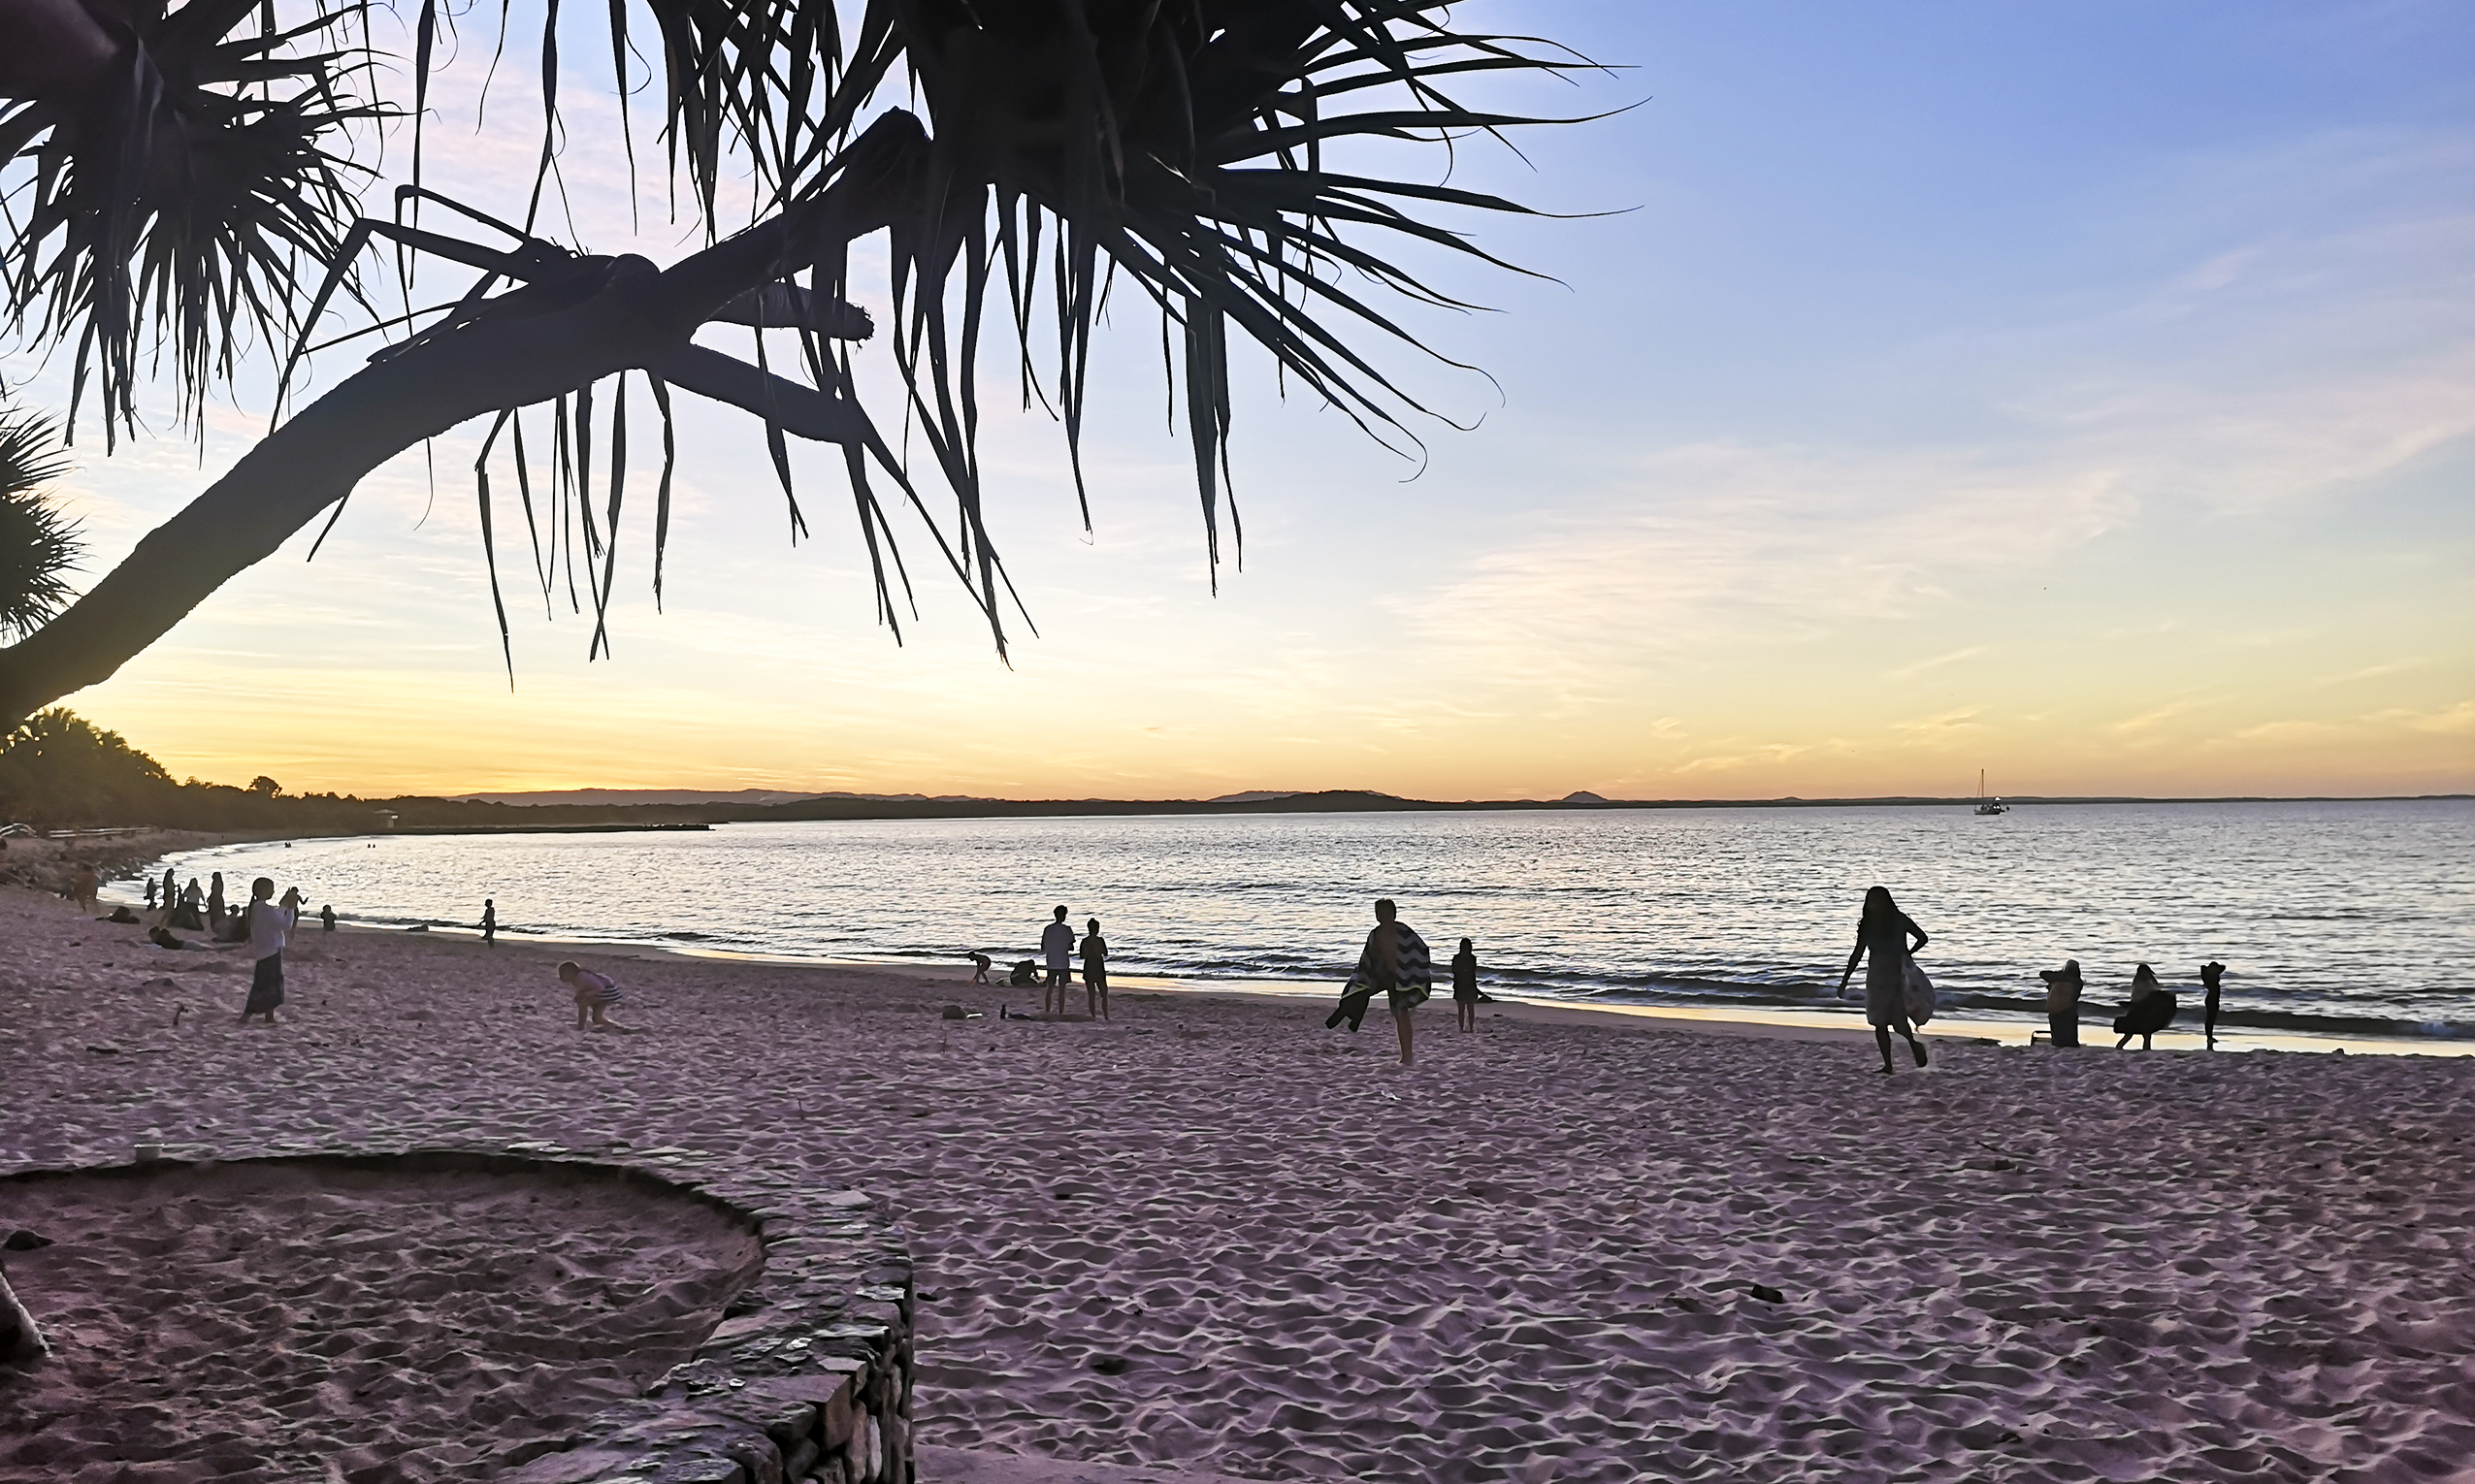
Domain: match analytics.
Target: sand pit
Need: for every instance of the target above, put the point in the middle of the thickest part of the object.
(1212, 1235)
(377, 1321)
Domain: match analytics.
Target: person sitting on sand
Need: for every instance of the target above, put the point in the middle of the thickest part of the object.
(2062, 1002)
(979, 968)
(1882, 937)
(2151, 1010)
(1465, 987)
(1394, 962)
(1095, 972)
(2210, 973)
(1024, 974)
(1057, 945)
(187, 914)
(595, 994)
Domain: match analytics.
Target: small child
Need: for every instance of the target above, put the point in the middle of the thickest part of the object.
(979, 968)
(595, 993)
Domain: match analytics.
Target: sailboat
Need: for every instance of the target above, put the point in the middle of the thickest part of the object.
(1985, 805)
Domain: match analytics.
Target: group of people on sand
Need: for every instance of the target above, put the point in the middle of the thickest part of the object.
(263, 922)
(2150, 1009)
(1899, 998)
(1058, 947)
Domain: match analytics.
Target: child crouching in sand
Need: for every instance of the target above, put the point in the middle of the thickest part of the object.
(595, 994)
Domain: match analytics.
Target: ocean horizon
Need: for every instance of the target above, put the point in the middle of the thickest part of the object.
(2335, 917)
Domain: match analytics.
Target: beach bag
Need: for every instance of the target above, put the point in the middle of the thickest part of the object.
(1918, 994)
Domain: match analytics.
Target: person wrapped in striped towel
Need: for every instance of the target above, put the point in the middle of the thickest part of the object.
(1394, 962)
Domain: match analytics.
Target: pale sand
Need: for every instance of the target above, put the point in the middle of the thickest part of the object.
(1526, 1259)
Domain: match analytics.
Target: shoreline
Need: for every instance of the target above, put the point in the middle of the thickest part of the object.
(1209, 1236)
(1792, 1024)
(1966, 1012)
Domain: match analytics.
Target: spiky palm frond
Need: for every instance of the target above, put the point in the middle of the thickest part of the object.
(1180, 146)
(38, 544)
(1179, 143)
(180, 184)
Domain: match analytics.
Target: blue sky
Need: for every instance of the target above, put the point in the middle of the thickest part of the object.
(2079, 392)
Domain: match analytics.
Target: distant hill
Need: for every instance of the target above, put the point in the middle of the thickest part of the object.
(1255, 796)
(620, 796)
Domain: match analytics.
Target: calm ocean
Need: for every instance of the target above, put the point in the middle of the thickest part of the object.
(2352, 917)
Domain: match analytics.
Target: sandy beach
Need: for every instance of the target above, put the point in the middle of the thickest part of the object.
(1215, 1240)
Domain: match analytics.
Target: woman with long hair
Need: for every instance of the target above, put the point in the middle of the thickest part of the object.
(1882, 937)
(2151, 1010)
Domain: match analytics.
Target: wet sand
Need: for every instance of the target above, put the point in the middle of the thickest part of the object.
(1215, 1239)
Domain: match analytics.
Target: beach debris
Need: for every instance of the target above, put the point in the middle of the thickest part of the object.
(954, 1013)
(21, 1342)
(19, 1240)
(1110, 1365)
(1766, 1293)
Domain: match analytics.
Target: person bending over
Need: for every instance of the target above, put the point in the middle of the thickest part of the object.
(595, 994)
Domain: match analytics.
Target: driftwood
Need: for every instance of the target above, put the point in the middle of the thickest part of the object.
(21, 1339)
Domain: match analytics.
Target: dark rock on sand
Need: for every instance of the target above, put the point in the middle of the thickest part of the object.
(20, 1240)
(955, 1013)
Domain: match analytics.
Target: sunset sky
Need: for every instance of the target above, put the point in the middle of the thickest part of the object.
(2080, 392)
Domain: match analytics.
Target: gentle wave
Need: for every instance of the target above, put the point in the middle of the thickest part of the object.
(2336, 918)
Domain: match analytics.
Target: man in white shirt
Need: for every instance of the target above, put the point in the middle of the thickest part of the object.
(269, 924)
(1057, 942)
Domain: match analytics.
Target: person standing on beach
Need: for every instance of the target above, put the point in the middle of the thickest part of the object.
(1882, 937)
(171, 886)
(1394, 963)
(1057, 945)
(215, 908)
(2062, 1002)
(190, 915)
(269, 925)
(1095, 972)
(1465, 987)
(151, 890)
(2210, 973)
(326, 916)
(84, 883)
(489, 919)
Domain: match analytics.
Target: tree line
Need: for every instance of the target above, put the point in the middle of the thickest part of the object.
(60, 771)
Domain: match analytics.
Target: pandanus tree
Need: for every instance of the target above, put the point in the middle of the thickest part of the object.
(187, 188)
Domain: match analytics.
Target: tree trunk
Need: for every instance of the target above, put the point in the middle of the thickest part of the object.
(637, 316)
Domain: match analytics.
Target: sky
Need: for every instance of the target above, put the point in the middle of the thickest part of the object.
(2079, 392)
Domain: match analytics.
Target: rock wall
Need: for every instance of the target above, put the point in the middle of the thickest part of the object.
(805, 1380)
(808, 1378)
